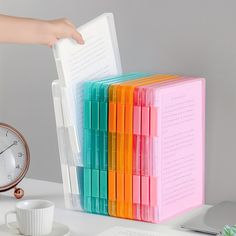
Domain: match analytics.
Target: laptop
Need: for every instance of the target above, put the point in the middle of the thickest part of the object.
(214, 220)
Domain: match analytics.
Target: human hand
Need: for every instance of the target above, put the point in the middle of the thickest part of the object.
(58, 29)
(34, 31)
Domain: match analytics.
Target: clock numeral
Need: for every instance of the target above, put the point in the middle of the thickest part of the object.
(15, 142)
(20, 154)
(7, 133)
(18, 166)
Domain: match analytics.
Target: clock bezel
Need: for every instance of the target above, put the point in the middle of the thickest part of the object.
(24, 171)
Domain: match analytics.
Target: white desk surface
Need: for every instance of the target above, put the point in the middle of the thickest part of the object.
(89, 224)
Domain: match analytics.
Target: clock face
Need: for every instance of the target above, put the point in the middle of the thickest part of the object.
(14, 157)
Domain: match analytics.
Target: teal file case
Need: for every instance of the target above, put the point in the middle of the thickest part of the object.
(95, 150)
(90, 149)
(87, 178)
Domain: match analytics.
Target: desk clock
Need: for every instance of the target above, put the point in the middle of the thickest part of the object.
(14, 159)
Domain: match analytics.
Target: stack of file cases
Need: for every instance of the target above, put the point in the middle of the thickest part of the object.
(143, 139)
(131, 145)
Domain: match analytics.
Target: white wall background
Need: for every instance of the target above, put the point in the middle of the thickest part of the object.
(186, 36)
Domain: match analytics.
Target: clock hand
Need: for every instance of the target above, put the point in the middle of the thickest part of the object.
(7, 148)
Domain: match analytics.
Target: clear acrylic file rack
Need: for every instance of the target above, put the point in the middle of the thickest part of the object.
(70, 172)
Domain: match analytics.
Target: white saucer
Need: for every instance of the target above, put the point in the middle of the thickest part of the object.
(58, 229)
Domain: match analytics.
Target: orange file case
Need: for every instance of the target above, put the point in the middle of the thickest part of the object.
(112, 195)
(121, 143)
(112, 153)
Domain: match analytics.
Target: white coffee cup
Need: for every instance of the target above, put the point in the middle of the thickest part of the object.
(34, 217)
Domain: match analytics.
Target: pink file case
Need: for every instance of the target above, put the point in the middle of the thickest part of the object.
(177, 150)
(136, 154)
(145, 155)
(169, 136)
(149, 144)
(153, 207)
(141, 147)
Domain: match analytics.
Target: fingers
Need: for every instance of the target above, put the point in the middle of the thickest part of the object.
(52, 42)
(77, 37)
(73, 33)
(63, 28)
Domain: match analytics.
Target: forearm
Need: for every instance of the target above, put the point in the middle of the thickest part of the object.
(23, 30)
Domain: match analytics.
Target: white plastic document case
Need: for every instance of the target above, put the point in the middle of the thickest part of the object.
(98, 58)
